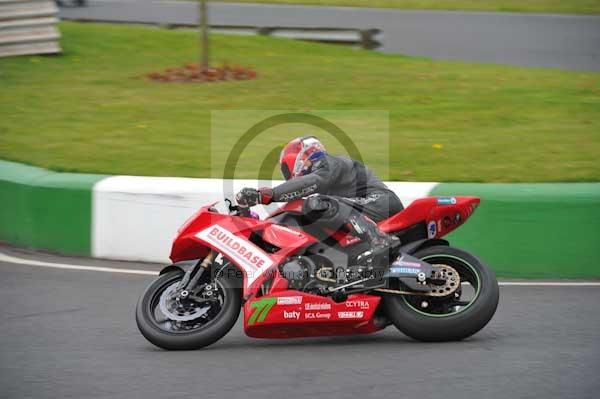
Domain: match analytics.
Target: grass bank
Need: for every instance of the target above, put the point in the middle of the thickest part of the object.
(93, 110)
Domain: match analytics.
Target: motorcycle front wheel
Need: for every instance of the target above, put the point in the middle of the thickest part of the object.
(170, 323)
(456, 316)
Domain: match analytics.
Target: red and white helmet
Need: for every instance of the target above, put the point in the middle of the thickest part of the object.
(299, 156)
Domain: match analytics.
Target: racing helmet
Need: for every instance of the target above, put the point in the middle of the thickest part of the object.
(301, 156)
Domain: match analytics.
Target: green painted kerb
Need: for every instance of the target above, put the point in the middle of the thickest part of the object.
(533, 230)
(44, 209)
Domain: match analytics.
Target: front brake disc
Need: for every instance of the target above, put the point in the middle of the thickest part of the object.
(179, 312)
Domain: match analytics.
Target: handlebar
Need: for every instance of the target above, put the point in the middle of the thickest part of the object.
(238, 210)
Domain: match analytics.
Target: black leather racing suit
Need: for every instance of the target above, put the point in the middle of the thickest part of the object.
(344, 186)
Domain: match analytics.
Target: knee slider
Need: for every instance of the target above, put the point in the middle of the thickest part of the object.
(319, 208)
(315, 203)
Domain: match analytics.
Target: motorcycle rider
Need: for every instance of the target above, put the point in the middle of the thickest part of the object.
(341, 193)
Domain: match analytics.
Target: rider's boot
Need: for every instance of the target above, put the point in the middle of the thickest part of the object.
(382, 244)
(331, 213)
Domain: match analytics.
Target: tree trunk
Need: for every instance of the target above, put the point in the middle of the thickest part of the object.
(203, 31)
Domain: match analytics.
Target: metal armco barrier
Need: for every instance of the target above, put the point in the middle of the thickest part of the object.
(364, 38)
(28, 27)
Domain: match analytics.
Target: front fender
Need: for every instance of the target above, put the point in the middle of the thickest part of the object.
(182, 266)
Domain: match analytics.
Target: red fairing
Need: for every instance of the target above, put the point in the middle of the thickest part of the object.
(291, 207)
(291, 314)
(441, 214)
(343, 238)
(230, 236)
(283, 236)
(285, 313)
(186, 246)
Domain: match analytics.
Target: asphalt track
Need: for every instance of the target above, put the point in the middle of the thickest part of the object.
(544, 40)
(72, 334)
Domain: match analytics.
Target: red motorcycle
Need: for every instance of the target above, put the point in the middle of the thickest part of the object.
(294, 279)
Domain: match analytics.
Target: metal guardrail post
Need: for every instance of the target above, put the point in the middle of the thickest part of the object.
(367, 38)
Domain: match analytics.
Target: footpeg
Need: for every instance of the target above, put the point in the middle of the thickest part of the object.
(339, 296)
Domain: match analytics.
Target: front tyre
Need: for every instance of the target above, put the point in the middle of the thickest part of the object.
(175, 325)
(450, 318)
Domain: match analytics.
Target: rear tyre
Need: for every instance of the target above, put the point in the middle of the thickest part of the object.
(194, 327)
(451, 318)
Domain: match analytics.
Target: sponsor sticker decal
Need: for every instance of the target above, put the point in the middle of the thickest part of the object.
(351, 315)
(431, 229)
(317, 306)
(405, 270)
(294, 314)
(262, 307)
(250, 258)
(357, 304)
(289, 300)
(317, 315)
(404, 263)
(446, 200)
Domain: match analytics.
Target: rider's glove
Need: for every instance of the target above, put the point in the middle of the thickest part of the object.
(247, 197)
(266, 195)
(250, 196)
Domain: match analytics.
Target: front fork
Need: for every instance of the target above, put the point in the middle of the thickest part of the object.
(191, 277)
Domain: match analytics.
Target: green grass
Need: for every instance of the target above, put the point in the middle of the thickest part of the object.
(539, 6)
(92, 110)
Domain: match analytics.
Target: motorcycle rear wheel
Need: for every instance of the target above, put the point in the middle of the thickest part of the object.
(452, 318)
(196, 333)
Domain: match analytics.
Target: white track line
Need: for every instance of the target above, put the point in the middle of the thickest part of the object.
(550, 283)
(30, 262)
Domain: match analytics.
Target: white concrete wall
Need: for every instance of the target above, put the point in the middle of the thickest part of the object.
(136, 218)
